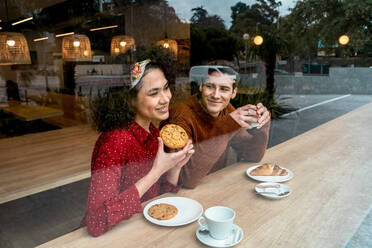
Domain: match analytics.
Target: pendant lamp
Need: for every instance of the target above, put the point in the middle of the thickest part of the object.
(76, 48)
(121, 44)
(169, 44)
(13, 49)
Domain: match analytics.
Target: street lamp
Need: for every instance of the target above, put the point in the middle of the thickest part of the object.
(344, 39)
(258, 40)
(245, 37)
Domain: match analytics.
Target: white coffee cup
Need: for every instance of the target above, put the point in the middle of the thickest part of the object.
(255, 123)
(219, 221)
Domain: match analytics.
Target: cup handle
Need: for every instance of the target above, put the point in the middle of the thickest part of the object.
(201, 224)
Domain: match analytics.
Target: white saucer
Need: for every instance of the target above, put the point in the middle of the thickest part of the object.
(208, 240)
(273, 193)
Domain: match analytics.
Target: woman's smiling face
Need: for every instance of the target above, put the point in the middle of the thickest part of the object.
(153, 98)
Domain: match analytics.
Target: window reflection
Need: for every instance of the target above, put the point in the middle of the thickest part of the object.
(308, 65)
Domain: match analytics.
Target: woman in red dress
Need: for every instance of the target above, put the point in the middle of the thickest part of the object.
(129, 165)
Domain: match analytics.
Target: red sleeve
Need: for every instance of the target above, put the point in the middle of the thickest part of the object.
(166, 186)
(106, 205)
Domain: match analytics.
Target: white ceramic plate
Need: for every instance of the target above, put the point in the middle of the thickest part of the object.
(189, 211)
(274, 179)
(273, 193)
(228, 242)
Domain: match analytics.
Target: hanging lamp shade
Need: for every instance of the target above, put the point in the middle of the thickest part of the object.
(121, 44)
(13, 49)
(169, 44)
(76, 48)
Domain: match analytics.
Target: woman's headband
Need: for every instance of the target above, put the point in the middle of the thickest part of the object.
(137, 72)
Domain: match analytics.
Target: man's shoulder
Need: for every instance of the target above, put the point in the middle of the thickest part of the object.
(183, 109)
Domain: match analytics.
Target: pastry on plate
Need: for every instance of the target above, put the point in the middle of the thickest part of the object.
(269, 169)
(162, 211)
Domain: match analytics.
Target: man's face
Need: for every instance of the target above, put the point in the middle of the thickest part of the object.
(216, 93)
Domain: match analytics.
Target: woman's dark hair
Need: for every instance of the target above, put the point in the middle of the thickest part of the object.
(114, 110)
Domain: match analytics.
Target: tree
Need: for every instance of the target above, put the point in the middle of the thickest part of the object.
(201, 18)
(212, 44)
(261, 18)
(314, 20)
(236, 10)
(210, 40)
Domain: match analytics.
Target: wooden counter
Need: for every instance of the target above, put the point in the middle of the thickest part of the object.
(331, 196)
(36, 162)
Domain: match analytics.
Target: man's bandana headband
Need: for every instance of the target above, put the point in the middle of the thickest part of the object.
(137, 72)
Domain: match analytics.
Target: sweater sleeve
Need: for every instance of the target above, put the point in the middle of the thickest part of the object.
(251, 145)
(206, 154)
(107, 206)
(166, 186)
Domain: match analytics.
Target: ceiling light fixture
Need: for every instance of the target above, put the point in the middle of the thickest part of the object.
(121, 44)
(76, 48)
(21, 21)
(40, 39)
(13, 49)
(65, 34)
(101, 28)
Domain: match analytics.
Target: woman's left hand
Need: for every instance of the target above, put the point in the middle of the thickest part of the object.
(173, 174)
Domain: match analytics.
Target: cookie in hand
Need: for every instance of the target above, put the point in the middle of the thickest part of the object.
(174, 136)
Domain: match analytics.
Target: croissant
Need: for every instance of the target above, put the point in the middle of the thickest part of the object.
(269, 170)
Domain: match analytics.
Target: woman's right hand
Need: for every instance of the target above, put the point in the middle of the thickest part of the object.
(166, 161)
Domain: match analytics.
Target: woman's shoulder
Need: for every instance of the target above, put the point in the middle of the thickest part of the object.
(116, 138)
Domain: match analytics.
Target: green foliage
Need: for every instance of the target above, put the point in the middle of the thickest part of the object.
(314, 20)
(111, 110)
(164, 57)
(213, 43)
(276, 105)
(261, 19)
(262, 15)
(202, 19)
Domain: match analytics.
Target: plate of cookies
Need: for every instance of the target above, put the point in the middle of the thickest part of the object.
(173, 211)
(269, 172)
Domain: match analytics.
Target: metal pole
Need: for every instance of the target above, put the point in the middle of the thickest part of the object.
(245, 37)
(245, 67)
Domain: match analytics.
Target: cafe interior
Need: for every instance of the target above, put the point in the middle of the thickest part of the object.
(56, 55)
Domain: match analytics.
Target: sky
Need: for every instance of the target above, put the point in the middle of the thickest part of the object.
(218, 7)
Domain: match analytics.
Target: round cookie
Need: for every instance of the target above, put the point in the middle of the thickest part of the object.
(162, 211)
(174, 136)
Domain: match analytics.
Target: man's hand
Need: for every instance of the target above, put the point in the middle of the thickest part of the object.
(249, 114)
(264, 115)
(246, 115)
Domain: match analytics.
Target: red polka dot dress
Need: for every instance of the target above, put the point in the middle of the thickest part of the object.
(120, 158)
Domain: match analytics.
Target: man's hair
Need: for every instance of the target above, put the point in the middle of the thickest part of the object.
(222, 71)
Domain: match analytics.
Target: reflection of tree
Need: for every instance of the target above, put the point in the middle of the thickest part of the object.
(311, 21)
(212, 44)
(201, 18)
(209, 38)
(262, 19)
